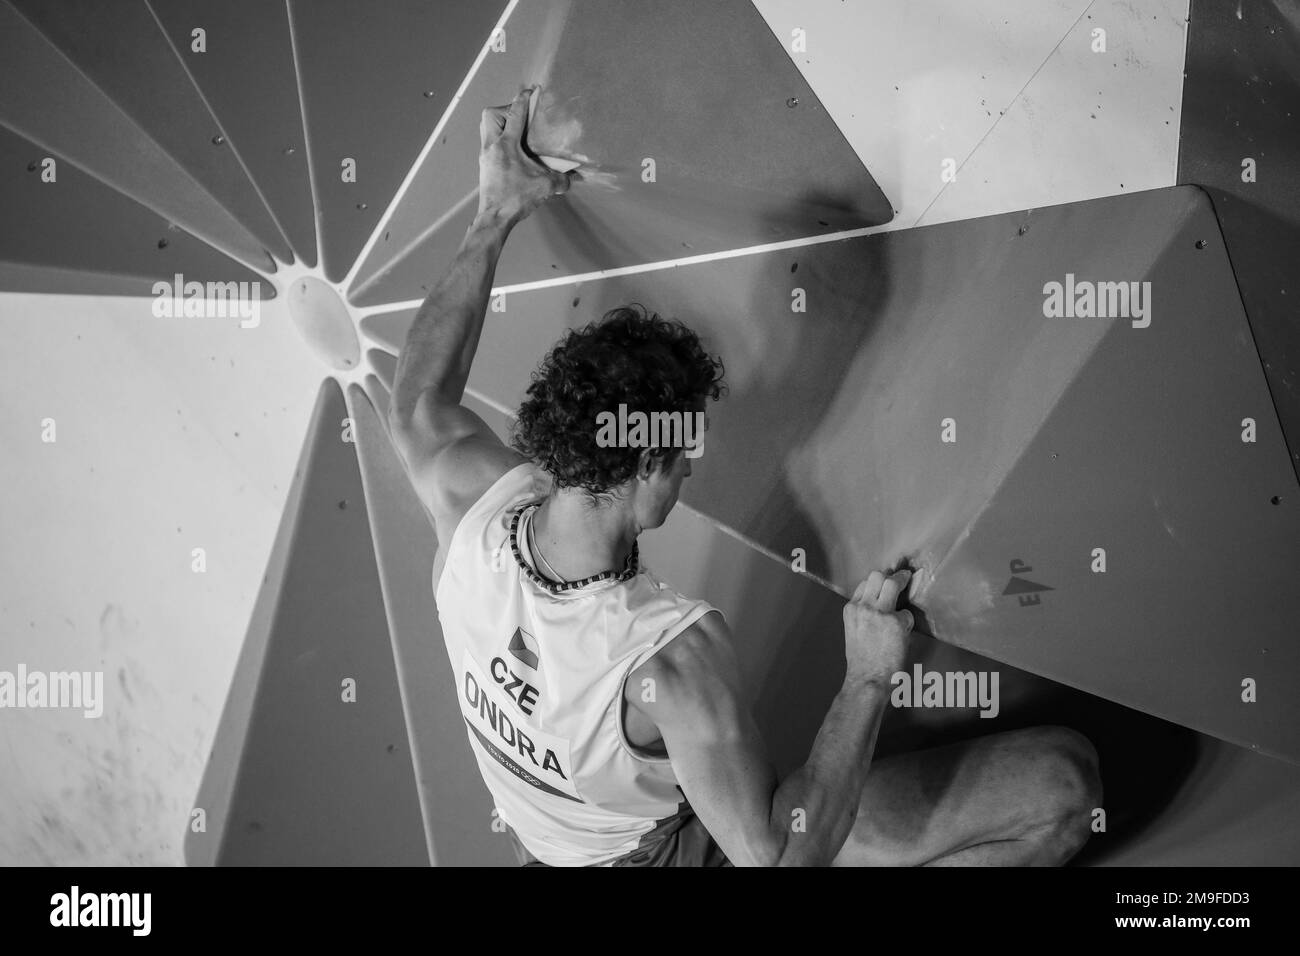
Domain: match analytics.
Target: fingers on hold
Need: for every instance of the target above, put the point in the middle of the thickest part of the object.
(869, 589)
(490, 125)
(517, 115)
(894, 585)
(908, 621)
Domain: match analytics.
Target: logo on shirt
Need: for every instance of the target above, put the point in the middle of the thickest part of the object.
(523, 648)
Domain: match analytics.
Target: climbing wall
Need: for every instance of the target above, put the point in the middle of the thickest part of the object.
(1057, 480)
(897, 392)
(312, 764)
(1240, 141)
(660, 181)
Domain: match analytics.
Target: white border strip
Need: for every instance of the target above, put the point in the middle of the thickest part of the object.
(364, 254)
(650, 266)
(380, 275)
(319, 267)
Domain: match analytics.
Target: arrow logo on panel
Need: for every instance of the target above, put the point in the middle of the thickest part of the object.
(1023, 586)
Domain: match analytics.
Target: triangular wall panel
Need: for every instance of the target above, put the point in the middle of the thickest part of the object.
(1142, 458)
(298, 775)
(626, 81)
(246, 75)
(121, 49)
(47, 99)
(373, 88)
(75, 234)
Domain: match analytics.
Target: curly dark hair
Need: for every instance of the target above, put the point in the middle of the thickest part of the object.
(630, 356)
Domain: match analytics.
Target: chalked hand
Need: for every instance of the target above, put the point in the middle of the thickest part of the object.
(875, 631)
(511, 182)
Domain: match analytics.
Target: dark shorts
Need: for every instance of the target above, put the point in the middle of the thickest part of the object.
(679, 840)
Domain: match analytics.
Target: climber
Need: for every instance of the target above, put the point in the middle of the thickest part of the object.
(606, 710)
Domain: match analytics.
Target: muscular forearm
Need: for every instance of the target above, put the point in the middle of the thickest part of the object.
(829, 786)
(442, 340)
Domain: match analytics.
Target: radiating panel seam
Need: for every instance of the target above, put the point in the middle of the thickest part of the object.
(437, 224)
(408, 715)
(649, 266)
(411, 173)
(306, 136)
(234, 150)
(29, 135)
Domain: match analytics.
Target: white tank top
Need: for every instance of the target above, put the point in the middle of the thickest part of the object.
(539, 677)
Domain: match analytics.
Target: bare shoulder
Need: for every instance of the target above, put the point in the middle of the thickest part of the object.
(462, 474)
(703, 648)
(695, 678)
(452, 458)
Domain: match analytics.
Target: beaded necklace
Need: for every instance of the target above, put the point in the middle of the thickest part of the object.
(630, 567)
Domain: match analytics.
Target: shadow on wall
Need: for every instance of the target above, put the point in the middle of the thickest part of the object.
(790, 377)
(812, 365)
(791, 646)
(792, 650)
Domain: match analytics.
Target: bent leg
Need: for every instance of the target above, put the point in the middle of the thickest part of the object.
(1019, 798)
